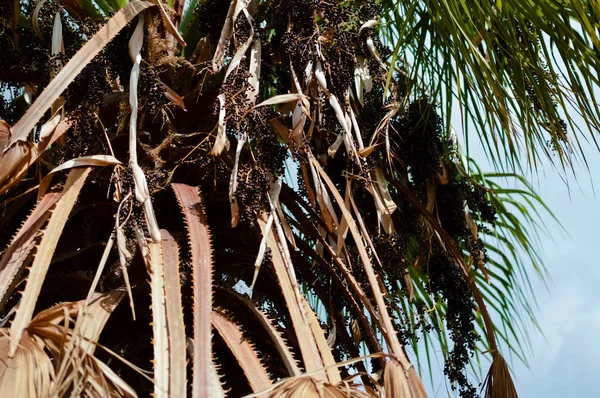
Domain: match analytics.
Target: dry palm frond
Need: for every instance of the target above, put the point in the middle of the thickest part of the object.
(29, 372)
(333, 373)
(243, 350)
(159, 320)
(278, 341)
(300, 387)
(498, 382)
(201, 250)
(292, 295)
(44, 253)
(12, 262)
(395, 381)
(175, 324)
(71, 366)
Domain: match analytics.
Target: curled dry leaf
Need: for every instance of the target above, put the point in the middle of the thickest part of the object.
(241, 51)
(14, 164)
(235, 214)
(142, 193)
(168, 23)
(84, 161)
(57, 36)
(221, 142)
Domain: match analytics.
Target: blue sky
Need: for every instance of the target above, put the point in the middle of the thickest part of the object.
(565, 364)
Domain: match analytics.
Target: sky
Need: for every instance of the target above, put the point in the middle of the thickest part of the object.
(565, 360)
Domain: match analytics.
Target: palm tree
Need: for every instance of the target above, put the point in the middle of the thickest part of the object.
(275, 191)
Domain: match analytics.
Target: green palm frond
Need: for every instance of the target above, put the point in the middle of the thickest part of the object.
(521, 73)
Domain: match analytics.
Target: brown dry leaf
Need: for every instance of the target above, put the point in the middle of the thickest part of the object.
(93, 317)
(14, 163)
(244, 352)
(383, 201)
(443, 177)
(324, 200)
(284, 132)
(291, 294)
(356, 333)
(28, 373)
(201, 250)
(45, 250)
(382, 186)
(76, 370)
(333, 373)
(174, 97)
(203, 51)
(235, 211)
(4, 134)
(12, 262)
(17, 158)
(414, 381)
(395, 381)
(160, 341)
(365, 152)
(498, 382)
(73, 348)
(175, 325)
